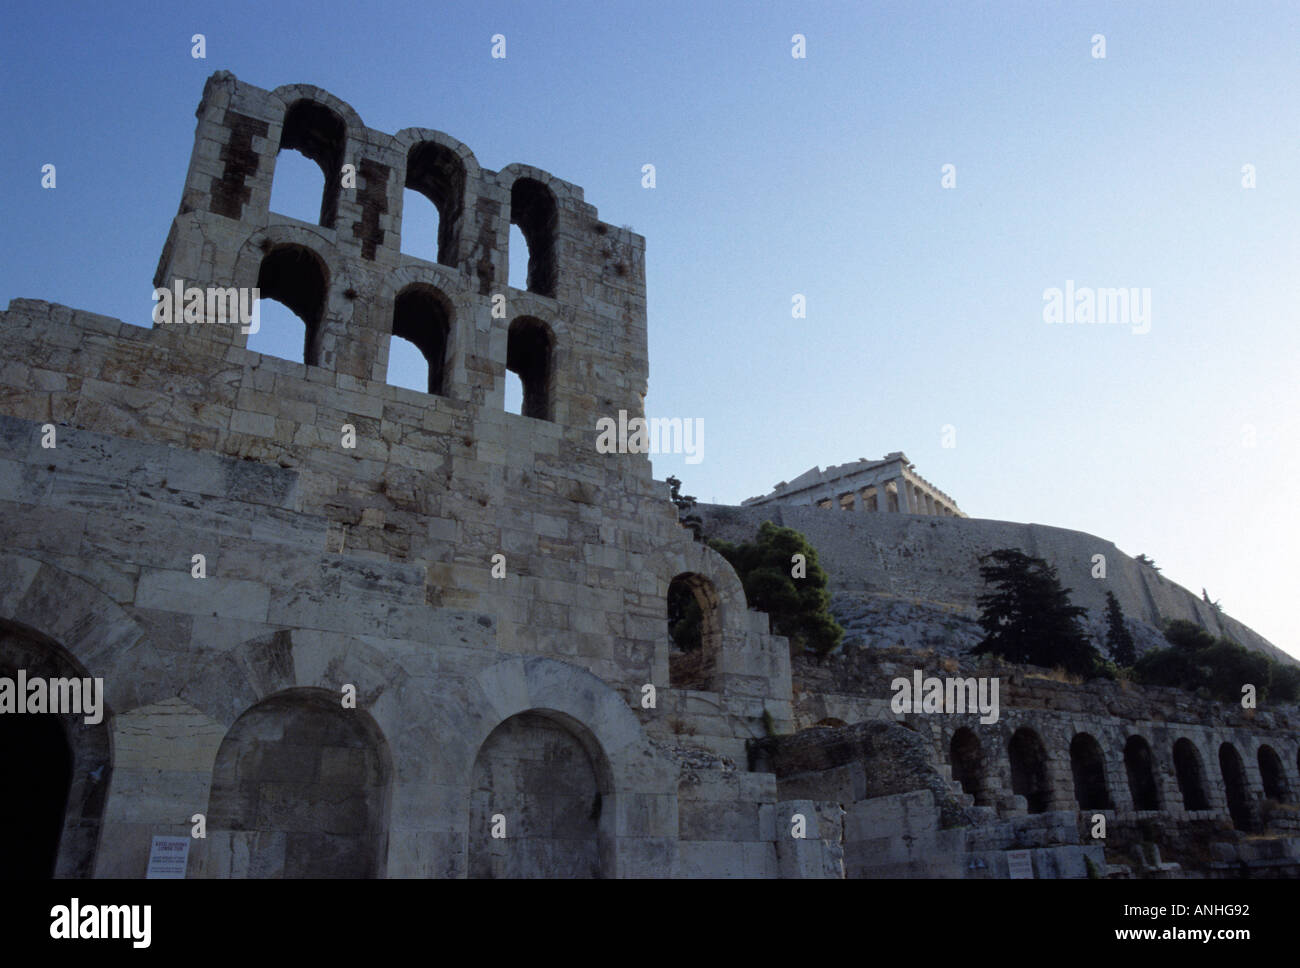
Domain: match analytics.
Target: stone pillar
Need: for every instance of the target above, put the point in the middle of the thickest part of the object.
(904, 499)
(929, 504)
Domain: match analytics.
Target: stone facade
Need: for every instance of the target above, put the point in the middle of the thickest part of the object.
(371, 567)
(371, 632)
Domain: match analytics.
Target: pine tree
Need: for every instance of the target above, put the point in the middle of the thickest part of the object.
(1029, 618)
(799, 607)
(1118, 638)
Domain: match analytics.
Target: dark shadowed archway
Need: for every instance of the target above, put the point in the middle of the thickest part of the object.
(1029, 776)
(966, 754)
(1236, 788)
(1191, 775)
(1140, 767)
(55, 766)
(1274, 777)
(1088, 767)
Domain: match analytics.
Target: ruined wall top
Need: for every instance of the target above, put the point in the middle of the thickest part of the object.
(576, 334)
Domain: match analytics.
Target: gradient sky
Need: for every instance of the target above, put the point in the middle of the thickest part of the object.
(818, 176)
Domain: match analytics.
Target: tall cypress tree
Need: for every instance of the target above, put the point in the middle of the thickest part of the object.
(1028, 618)
(1118, 638)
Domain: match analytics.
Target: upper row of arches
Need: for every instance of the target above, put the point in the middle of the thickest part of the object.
(437, 175)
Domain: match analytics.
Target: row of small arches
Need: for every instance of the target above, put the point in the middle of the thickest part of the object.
(308, 182)
(1030, 778)
(294, 284)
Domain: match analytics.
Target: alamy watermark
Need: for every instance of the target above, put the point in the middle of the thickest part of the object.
(1082, 304)
(922, 694)
(77, 697)
(651, 435)
(76, 921)
(216, 304)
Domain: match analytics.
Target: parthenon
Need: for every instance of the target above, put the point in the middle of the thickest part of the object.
(888, 484)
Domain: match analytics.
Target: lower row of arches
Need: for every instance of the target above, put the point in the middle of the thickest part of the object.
(1030, 777)
(423, 330)
(302, 788)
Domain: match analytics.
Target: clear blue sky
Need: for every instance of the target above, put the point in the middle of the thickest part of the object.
(818, 176)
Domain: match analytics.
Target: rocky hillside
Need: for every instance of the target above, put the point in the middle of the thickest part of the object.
(913, 580)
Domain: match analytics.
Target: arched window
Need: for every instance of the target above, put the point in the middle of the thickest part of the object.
(966, 754)
(1235, 786)
(1140, 767)
(1089, 769)
(295, 277)
(436, 173)
(320, 135)
(695, 630)
(532, 208)
(1274, 777)
(421, 317)
(1029, 777)
(530, 349)
(1191, 775)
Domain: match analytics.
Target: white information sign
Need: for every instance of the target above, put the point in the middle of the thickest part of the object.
(168, 856)
(1020, 864)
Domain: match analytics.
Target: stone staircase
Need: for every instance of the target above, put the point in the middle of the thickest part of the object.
(960, 795)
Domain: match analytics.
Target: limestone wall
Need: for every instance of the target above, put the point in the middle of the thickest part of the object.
(341, 683)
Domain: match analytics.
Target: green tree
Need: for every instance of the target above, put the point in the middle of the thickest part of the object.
(798, 606)
(1118, 638)
(1170, 667)
(684, 503)
(1284, 684)
(1187, 636)
(1028, 618)
(1228, 666)
(1215, 667)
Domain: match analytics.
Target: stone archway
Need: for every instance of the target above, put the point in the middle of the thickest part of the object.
(56, 767)
(1088, 767)
(37, 762)
(1273, 775)
(1191, 775)
(695, 629)
(54, 625)
(1029, 777)
(538, 801)
(1140, 767)
(1236, 788)
(300, 788)
(559, 705)
(966, 754)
